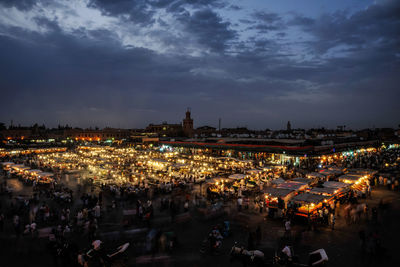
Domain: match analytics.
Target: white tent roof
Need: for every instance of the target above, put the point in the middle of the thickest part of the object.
(237, 176)
(278, 181)
(254, 171)
(45, 174)
(334, 184)
(7, 163)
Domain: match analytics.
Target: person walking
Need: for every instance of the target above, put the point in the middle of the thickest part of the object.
(16, 224)
(1, 222)
(287, 228)
(239, 203)
(333, 221)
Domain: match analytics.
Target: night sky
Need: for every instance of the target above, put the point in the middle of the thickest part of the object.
(254, 63)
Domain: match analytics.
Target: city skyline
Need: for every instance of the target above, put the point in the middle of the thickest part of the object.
(258, 64)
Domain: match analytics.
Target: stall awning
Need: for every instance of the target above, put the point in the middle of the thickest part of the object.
(334, 184)
(7, 163)
(309, 198)
(237, 176)
(278, 181)
(278, 192)
(45, 174)
(293, 185)
(254, 171)
(323, 190)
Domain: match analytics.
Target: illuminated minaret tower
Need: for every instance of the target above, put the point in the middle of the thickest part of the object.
(188, 124)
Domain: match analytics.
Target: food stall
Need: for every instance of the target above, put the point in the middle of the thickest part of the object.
(277, 198)
(316, 175)
(277, 181)
(308, 204)
(219, 187)
(368, 172)
(330, 174)
(19, 169)
(254, 171)
(293, 185)
(6, 166)
(334, 192)
(358, 182)
(340, 189)
(308, 181)
(30, 175)
(45, 178)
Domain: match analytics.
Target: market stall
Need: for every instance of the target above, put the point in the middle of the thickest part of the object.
(308, 181)
(293, 185)
(359, 182)
(19, 169)
(6, 166)
(220, 187)
(277, 198)
(308, 204)
(44, 178)
(330, 174)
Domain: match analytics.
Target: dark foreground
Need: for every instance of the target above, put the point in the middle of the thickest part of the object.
(342, 244)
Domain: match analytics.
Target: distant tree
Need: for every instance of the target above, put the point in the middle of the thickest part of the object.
(2, 126)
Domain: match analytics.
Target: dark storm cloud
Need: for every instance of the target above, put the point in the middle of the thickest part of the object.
(378, 23)
(300, 20)
(358, 50)
(20, 4)
(138, 11)
(142, 10)
(71, 76)
(208, 28)
(266, 21)
(344, 70)
(234, 7)
(200, 22)
(270, 18)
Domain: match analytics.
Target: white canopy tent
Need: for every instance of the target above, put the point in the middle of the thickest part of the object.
(237, 176)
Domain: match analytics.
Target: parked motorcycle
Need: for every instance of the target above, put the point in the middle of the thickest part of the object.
(248, 257)
(286, 257)
(212, 243)
(98, 254)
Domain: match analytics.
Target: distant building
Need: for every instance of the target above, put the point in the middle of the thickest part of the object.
(173, 130)
(98, 135)
(188, 124)
(165, 129)
(236, 132)
(205, 131)
(289, 127)
(16, 134)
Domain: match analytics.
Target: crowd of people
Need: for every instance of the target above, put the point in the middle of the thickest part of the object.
(61, 213)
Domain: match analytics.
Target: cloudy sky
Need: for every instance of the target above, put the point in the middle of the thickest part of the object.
(254, 63)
